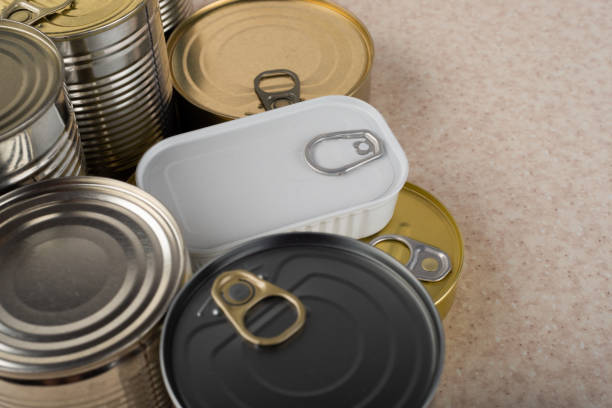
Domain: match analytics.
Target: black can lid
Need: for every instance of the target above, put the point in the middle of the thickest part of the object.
(371, 338)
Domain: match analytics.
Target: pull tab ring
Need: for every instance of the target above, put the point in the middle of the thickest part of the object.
(427, 263)
(34, 13)
(373, 148)
(238, 291)
(269, 99)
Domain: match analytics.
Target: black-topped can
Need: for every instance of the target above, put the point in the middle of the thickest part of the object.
(355, 329)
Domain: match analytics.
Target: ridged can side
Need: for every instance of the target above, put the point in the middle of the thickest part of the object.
(118, 81)
(133, 381)
(173, 12)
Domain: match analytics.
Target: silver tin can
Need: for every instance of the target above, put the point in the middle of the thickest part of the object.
(89, 267)
(173, 12)
(38, 132)
(117, 76)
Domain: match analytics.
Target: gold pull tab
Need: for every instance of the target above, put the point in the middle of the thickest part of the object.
(27, 13)
(237, 291)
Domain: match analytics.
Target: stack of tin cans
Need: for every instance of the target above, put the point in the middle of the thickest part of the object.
(116, 72)
(38, 132)
(90, 266)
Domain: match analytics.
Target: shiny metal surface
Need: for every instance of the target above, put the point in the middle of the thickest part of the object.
(173, 12)
(426, 263)
(89, 267)
(38, 132)
(117, 76)
(217, 52)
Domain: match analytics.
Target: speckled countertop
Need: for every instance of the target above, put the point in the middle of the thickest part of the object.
(504, 109)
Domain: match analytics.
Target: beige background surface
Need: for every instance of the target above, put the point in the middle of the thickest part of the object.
(504, 109)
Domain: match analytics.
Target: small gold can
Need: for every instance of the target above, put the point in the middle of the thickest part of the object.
(420, 216)
(228, 53)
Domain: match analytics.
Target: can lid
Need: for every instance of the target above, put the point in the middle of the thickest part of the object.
(31, 76)
(420, 216)
(217, 53)
(371, 336)
(89, 266)
(81, 16)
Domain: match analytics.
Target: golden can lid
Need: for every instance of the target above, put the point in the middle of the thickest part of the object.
(76, 17)
(217, 53)
(420, 216)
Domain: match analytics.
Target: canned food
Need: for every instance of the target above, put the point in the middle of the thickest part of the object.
(116, 71)
(173, 12)
(356, 329)
(217, 54)
(420, 216)
(38, 133)
(89, 267)
(340, 170)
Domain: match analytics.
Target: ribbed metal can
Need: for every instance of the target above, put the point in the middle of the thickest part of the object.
(89, 267)
(173, 12)
(117, 76)
(38, 132)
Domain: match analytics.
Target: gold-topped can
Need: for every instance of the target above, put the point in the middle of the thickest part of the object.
(116, 72)
(421, 218)
(216, 55)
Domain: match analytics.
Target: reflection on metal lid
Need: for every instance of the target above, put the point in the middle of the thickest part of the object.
(89, 266)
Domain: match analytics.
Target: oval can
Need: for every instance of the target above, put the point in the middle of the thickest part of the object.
(419, 215)
(89, 267)
(38, 132)
(367, 332)
(216, 54)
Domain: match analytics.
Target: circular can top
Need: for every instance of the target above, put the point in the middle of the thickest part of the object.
(371, 335)
(89, 267)
(31, 76)
(81, 16)
(216, 54)
(419, 215)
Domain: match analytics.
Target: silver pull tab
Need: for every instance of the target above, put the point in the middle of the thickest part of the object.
(366, 144)
(269, 100)
(27, 13)
(427, 263)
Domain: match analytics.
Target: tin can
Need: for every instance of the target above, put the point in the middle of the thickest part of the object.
(173, 12)
(355, 329)
(420, 216)
(340, 171)
(304, 48)
(38, 133)
(89, 267)
(116, 72)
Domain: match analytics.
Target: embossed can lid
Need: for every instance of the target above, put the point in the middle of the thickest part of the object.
(216, 54)
(31, 76)
(89, 266)
(371, 337)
